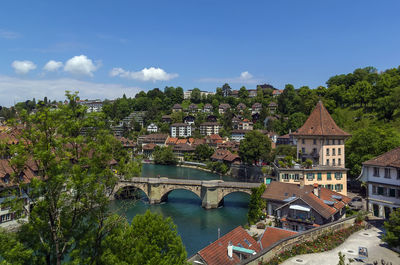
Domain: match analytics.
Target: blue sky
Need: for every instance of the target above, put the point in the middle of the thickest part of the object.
(107, 48)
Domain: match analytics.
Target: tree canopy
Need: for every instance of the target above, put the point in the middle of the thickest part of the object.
(254, 147)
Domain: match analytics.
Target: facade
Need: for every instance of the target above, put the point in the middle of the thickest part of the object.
(166, 118)
(382, 175)
(245, 125)
(241, 107)
(277, 92)
(223, 108)
(181, 149)
(135, 116)
(153, 128)
(256, 108)
(207, 108)
(177, 108)
(302, 207)
(272, 107)
(94, 105)
(238, 135)
(189, 119)
(252, 93)
(157, 138)
(188, 93)
(193, 108)
(181, 130)
(208, 128)
(321, 141)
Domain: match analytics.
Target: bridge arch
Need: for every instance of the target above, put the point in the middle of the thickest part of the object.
(168, 189)
(226, 192)
(142, 187)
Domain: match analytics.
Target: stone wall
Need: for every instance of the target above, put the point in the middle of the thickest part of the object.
(247, 173)
(287, 243)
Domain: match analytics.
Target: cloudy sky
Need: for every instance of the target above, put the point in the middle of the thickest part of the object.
(106, 48)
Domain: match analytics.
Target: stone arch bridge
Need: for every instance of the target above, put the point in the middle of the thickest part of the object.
(210, 192)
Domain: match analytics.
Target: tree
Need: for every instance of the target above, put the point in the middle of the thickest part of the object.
(204, 152)
(164, 156)
(367, 143)
(12, 251)
(256, 204)
(149, 240)
(392, 227)
(74, 181)
(254, 147)
(195, 96)
(243, 93)
(226, 90)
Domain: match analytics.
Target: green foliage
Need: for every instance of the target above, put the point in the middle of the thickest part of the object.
(254, 147)
(195, 96)
(392, 227)
(218, 167)
(342, 259)
(367, 143)
(164, 156)
(285, 150)
(203, 152)
(256, 204)
(149, 240)
(12, 251)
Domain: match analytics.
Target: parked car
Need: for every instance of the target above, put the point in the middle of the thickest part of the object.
(356, 203)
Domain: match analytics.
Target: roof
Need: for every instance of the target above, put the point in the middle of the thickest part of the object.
(241, 106)
(177, 106)
(217, 252)
(149, 147)
(209, 123)
(6, 170)
(155, 137)
(280, 191)
(388, 159)
(198, 141)
(126, 142)
(320, 123)
(272, 104)
(224, 106)
(181, 141)
(214, 137)
(180, 124)
(183, 147)
(192, 106)
(277, 92)
(171, 140)
(256, 105)
(208, 106)
(272, 235)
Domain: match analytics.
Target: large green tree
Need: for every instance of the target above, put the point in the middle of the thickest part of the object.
(148, 240)
(74, 181)
(256, 204)
(254, 147)
(164, 156)
(392, 227)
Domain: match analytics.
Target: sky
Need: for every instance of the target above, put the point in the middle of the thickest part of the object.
(104, 48)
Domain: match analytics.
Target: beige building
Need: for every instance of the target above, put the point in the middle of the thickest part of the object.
(321, 141)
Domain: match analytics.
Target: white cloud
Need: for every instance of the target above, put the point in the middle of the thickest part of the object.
(23, 67)
(5, 34)
(17, 89)
(52, 66)
(244, 78)
(80, 65)
(146, 74)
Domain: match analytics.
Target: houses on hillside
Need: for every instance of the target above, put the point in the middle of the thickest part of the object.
(181, 130)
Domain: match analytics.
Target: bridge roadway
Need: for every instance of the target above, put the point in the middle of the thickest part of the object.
(211, 192)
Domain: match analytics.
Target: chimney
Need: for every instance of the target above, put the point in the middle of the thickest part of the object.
(230, 250)
(316, 190)
(301, 183)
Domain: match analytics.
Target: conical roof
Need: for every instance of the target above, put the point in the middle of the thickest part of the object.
(320, 123)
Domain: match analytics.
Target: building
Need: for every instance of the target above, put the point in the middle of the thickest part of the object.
(135, 116)
(245, 125)
(166, 118)
(252, 93)
(287, 139)
(301, 207)
(256, 108)
(181, 149)
(232, 248)
(128, 145)
(94, 105)
(272, 107)
(188, 93)
(193, 108)
(148, 150)
(153, 128)
(212, 118)
(181, 130)
(223, 107)
(320, 141)
(277, 92)
(271, 235)
(226, 156)
(177, 108)
(208, 128)
(207, 108)
(238, 135)
(241, 107)
(382, 176)
(213, 140)
(189, 119)
(232, 146)
(158, 139)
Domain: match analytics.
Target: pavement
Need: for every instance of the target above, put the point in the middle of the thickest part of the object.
(371, 239)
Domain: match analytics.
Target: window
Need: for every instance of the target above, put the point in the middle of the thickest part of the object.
(285, 177)
(339, 187)
(392, 193)
(319, 176)
(398, 193)
(310, 176)
(333, 151)
(327, 141)
(327, 151)
(328, 176)
(303, 141)
(329, 186)
(327, 162)
(296, 177)
(333, 141)
(303, 150)
(374, 189)
(338, 175)
(333, 162)
(339, 151)
(376, 172)
(387, 173)
(380, 190)
(314, 150)
(339, 161)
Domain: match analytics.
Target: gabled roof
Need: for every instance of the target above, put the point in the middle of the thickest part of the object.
(217, 252)
(224, 106)
(257, 105)
(388, 159)
(149, 147)
(320, 123)
(272, 235)
(177, 106)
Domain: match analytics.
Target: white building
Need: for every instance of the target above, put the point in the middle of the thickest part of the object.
(92, 105)
(188, 93)
(181, 130)
(208, 128)
(382, 175)
(152, 128)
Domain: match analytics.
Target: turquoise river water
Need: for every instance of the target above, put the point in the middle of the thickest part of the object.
(197, 227)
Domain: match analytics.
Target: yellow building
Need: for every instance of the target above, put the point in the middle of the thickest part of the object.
(321, 141)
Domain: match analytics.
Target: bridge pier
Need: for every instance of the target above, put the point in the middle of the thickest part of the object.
(209, 195)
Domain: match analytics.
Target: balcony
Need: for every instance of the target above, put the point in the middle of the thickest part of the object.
(299, 219)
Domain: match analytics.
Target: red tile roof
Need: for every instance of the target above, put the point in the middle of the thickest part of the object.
(388, 159)
(217, 252)
(320, 123)
(272, 235)
(149, 147)
(181, 141)
(172, 140)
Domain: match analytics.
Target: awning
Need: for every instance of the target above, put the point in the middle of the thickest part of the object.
(300, 208)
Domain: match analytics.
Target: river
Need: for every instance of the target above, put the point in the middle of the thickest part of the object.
(197, 227)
